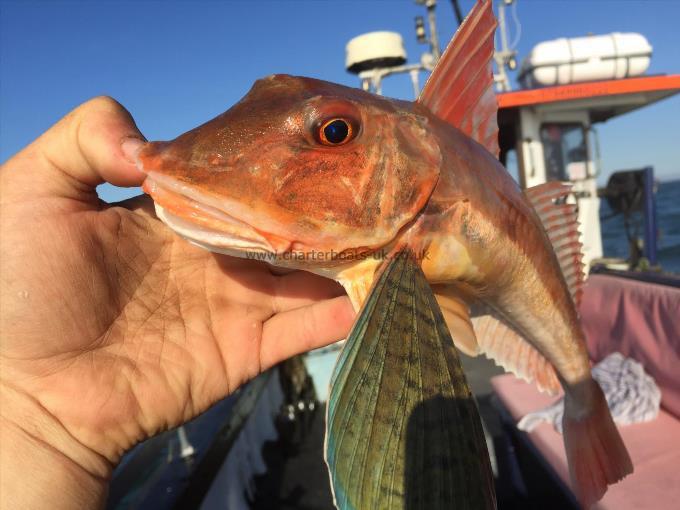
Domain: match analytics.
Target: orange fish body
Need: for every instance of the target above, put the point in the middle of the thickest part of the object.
(312, 175)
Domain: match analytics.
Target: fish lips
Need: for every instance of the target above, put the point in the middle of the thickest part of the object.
(185, 211)
(201, 221)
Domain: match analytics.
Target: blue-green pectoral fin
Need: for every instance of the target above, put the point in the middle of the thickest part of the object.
(402, 429)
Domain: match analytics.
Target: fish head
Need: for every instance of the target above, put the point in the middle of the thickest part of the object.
(298, 166)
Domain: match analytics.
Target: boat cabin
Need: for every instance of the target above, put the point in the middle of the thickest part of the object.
(548, 134)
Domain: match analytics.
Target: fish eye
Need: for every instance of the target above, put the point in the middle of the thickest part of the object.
(335, 132)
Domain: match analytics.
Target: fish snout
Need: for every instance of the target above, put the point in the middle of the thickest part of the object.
(153, 156)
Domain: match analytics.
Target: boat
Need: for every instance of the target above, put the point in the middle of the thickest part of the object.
(212, 461)
(262, 447)
(548, 132)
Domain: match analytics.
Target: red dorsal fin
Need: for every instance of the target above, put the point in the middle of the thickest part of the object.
(460, 89)
(560, 221)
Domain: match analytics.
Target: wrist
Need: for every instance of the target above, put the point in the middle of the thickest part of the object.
(41, 463)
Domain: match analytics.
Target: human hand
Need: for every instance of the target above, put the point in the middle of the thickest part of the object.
(114, 328)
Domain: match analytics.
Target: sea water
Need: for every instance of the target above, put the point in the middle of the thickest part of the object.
(615, 243)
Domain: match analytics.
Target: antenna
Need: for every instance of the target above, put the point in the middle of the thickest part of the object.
(433, 41)
(456, 10)
(505, 56)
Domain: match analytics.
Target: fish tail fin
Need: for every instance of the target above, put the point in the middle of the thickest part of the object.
(595, 451)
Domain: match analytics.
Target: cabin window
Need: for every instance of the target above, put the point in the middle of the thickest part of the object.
(565, 152)
(512, 164)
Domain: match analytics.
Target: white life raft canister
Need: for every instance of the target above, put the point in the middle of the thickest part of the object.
(579, 59)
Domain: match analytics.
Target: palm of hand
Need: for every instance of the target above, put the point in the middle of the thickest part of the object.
(119, 329)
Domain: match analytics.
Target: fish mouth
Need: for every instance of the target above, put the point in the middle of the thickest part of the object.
(200, 221)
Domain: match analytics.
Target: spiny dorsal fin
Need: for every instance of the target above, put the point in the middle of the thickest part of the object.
(560, 223)
(460, 89)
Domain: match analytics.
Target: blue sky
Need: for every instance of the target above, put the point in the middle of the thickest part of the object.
(177, 64)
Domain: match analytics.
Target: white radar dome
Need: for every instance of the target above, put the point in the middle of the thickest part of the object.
(373, 50)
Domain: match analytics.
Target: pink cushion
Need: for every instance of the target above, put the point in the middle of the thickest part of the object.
(639, 320)
(653, 446)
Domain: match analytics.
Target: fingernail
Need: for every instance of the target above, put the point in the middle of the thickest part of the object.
(130, 147)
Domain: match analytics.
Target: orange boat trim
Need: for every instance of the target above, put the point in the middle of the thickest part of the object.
(586, 90)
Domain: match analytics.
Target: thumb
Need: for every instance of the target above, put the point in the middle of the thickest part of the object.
(95, 143)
